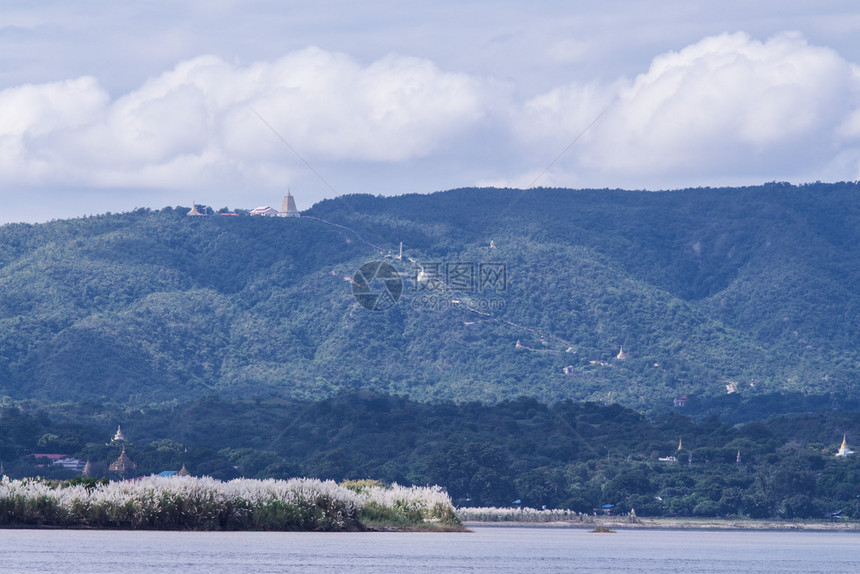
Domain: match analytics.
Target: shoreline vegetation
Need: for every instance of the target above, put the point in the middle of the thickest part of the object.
(303, 504)
(521, 517)
(194, 503)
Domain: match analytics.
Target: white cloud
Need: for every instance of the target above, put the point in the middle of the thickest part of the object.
(32, 114)
(396, 109)
(726, 109)
(41, 109)
(727, 105)
(196, 121)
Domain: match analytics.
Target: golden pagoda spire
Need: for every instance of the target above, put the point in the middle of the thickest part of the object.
(123, 465)
(680, 443)
(194, 212)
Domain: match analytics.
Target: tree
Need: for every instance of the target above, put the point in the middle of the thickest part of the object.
(475, 474)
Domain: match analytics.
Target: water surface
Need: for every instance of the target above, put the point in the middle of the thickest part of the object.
(487, 549)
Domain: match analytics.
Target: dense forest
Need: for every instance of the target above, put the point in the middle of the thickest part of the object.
(686, 353)
(627, 297)
(572, 455)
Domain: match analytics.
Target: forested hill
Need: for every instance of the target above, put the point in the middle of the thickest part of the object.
(749, 290)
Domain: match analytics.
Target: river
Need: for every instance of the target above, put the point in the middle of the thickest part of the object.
(486, 549)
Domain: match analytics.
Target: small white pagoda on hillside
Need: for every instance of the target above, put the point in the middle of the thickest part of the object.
(118, 436)
(844, 450)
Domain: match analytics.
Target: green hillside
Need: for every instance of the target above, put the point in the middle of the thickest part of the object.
(566, 455)
(754, 288)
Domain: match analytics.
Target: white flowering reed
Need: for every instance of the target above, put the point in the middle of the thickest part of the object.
(206, 504)
(415, 503)
(525, 514)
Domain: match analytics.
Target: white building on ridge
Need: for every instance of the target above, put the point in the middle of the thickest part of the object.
(265, 211)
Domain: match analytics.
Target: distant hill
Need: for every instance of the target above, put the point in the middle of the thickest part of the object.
(708, 291)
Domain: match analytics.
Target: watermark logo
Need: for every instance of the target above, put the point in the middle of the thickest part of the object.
(436, 286)
(461, 277)
(493, 276)
(377, 286)
(460, 284)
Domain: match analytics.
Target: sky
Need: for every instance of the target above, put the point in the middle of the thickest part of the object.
(112, 106)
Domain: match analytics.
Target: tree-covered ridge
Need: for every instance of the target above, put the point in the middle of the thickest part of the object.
(707, 290)
(566, 455)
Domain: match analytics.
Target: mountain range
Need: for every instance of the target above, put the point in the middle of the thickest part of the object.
(631, 297)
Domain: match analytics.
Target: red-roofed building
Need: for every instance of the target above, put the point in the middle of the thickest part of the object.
(265, 211)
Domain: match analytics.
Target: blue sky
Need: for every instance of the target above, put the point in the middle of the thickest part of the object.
(108, 106)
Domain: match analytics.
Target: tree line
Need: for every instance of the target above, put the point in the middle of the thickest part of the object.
(578, 456)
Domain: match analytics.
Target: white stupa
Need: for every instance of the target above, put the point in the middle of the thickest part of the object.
(288, 207)
(844, 450)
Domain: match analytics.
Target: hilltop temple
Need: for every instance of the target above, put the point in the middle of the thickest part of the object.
(288, 207)
(195, 212)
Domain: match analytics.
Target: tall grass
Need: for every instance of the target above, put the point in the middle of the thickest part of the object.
(525, 514)
(403, 506)
(191, 503)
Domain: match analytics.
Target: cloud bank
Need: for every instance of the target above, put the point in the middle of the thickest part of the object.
(726, 108)
(728, 105)
(198, 122)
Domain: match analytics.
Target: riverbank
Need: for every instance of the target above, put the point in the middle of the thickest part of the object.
(624, 522)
